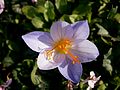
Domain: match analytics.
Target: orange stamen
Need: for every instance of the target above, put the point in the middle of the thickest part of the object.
(49, 54)
(62, 47)
(75, 58)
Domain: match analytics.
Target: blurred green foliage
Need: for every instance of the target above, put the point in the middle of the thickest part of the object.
(23, 16)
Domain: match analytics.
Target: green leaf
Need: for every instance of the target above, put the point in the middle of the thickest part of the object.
(106, 41)
(16, 8)
(107, 65)
(117, 17)
(49, 5)
(49, 11)
(15, 76)
(40, 2)
(106, 1)
(116, 80)
(75, 17)
(1, 31)
(81, 85)
(71, 18)
(108, 54)
(71, 1)
(24, 88)
(29, 11)
(35, 78)
(61, 5)
(102, 86)
(37, 22)
(102, 31)
(112, 13)
(65, 18)
(40, 9)
(28, 62)
(7, 61)
(101, 9)
(83, 9)
(107, 62)
(12, 45)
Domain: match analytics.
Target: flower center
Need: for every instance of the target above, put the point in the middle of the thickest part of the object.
(63, 47)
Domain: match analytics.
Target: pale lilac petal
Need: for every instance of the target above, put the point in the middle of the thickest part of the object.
(91, 83)
(81, 30)
(98, 78)
(71, 71)
(56, 29)
(37, 40)
(67, 32)
(2, 6)
(92, 74)
(86, 51)
(1, 10)
(46, 38)
(45, 64)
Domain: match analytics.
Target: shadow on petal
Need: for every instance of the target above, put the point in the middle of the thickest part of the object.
(71, 71)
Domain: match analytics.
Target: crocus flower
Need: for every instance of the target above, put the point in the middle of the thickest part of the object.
(1, 6)
(92, 80)
(6, 84)
(65, 47)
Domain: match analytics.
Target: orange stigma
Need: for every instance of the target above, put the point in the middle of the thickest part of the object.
(63, 47)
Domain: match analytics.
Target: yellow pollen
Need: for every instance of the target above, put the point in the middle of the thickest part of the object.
(49, 54)
(75, 58)
(63, 46)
